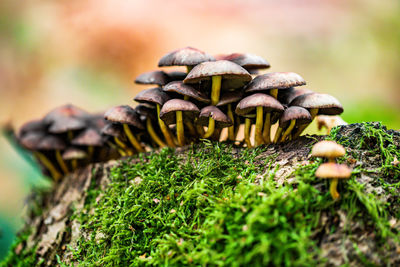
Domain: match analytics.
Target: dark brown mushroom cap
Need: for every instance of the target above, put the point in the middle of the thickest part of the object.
(96, 121)
(186, 90)
(168, 111)
(113, 129)
(233, 75)
(152, 96)
(89, 137)
(301, 115)
(221, 119)
(145, 111)
(74, 153)
(287, 96)
(157, 77)
(187, 56)
(64, 125)
(65, 111)
(32, 126)
(248, 104)
(51, 142)
(326, 104)
(246, 60)
(124, 114)
(176, 75)
(31, 140)
(230, 97)
(331, 170)
(274, 80)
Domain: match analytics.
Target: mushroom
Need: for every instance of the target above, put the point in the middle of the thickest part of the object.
(74, 154)
(219, 119)
(290, 117)
(117, 133)
(149, 116)
(329, 122)
(176, 75)
(287, 96)
(187, 56)
(333, 171)
(248, 61)
(261, 103)
(328, 149)
(317, 104)
(228, 99)
(156, 77)
(126, 116)
(91, 138)
(155, 96)
(175, 111)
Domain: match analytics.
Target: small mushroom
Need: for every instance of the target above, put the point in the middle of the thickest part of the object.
(156, 77)
(287, 96)
(329, 122)
(248, 61)
(333, 171)
(228, 99)
(74, 154)
(149, 116)
(328, 149)
(89, 138)
(117, 133)
(290, 117)
(214, 118)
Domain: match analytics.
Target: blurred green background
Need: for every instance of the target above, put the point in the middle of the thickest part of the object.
(88, 53)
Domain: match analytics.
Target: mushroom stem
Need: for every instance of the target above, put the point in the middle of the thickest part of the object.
(90, 152)
(288, 130)
(215, 89)
(180, 130)
(237, 127)
(135, 143)
(267, 128)
(70, 135)
(153, 134)
(61, 162)
(231, 129)
(247, 128)
(165, 130)
(191, 128)
(278, 134)
(49, 166)
(211, 128)
(259, 124)
(313, 112)
(274, 93)
(123, 146)
(74, 164)
(333, 189)
(200, 130)
(189, 68)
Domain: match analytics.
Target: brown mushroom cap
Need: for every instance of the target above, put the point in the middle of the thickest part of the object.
(221, 119)
(328, 149)
(74, 153)
(301, 115)
(274, 80)
(248, 104)
(176, 75)
(89, 137)
(186, 90)
(232, 74)
(246, 60)
(146, 111)
(152, 96)
(32, 126)
(157, 77)
(51, 142)
(66, 112)
(168, 111)
(326, 104)
(286, 96)
(113, 129)
(230, 97)
(124, 114)
(187, 56)
(331, 170)
(64, 125)
(31, 140)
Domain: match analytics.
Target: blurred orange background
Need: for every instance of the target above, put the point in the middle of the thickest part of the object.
(88, 53)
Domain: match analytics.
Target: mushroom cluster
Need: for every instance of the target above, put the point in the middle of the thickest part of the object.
(214, 93)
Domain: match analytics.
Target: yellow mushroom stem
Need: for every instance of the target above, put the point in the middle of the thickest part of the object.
(210, 129)
(189, 68)
(288, 130)
(55, 174)
(200, 130)
(231, 129)
(237, 127)
(90, 152)
(74, 164)
(313, 112)
(274, 93)
(278, 134)
(61, 162)
(259, 125)
(131, 137)
(153, 134)
(191, 128)
(180, 130)
(165, 130)
(123, 146)
(70, 135)
(267, 128)
(247, 128)
(333, 189)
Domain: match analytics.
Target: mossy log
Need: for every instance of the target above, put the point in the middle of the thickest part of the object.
(215, 204)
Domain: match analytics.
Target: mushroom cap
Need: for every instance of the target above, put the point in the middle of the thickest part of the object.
(168, 111)
(64, 125)
(286, 96)
(153, 96)
(248, 104)
(301, 115)
(274, 80)
(246, 60)
(157, 77)
(221, 119)
(187, 56)
(113, 129)
(74, 153)
(328, 149)
(65, 118)
(96, 121)
(89, 137)
(230, 97)
(32, 126)
(232, 74)
(124, 114)
(186, 90)
(176, 75)
(51, 142)
(30, 140)
(326, 104)
(331, 170)
(146, 111)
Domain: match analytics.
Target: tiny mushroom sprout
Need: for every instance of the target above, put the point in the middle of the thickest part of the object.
(333, 171)
(328, 149)
(176, 111)
(74, 154)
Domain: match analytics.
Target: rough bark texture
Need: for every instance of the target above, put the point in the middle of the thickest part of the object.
(54, 230)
